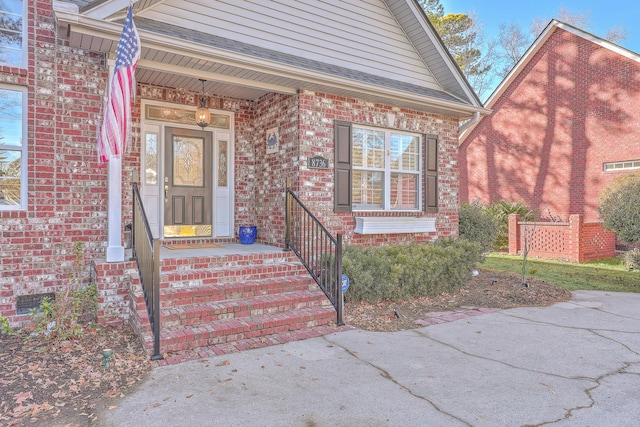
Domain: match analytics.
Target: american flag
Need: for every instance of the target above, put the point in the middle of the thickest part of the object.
(116, 124)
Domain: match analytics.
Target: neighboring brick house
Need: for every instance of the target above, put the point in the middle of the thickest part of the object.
(380, 72)
(564, 127)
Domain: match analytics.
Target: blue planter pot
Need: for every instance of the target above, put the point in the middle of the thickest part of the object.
(247, 234)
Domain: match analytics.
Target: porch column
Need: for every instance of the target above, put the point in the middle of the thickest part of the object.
(115, 250)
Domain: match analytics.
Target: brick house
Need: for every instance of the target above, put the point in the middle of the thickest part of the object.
(372, 84)
(564, 126)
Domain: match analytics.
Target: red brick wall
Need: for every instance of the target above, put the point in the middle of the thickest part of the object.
(318, 112)
(67, 197)
(272, 170)
(573, 241)
(572, 108)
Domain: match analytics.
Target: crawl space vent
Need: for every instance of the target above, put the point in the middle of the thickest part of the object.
(26, 302)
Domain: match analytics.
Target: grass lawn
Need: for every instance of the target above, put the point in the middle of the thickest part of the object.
(605, 275)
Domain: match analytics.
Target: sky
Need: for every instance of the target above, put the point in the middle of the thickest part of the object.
(605, 14)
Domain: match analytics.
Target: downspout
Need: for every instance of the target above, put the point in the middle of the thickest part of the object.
(466, 125)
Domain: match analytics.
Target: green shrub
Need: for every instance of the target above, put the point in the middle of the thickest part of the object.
(398, 272)
(501, 210)
(620, 208)
(631, 259)
(477, 224)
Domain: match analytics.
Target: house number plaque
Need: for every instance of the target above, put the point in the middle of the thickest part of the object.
(318, 162)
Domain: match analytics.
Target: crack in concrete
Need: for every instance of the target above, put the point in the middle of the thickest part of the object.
(595, 331)
(501, 362)
(602, 311)
(589, 392)
(568, 411)
(388, 376)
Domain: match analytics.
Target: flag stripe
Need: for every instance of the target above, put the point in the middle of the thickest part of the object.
(116, 122)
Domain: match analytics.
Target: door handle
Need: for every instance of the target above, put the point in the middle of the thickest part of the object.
(166, 191)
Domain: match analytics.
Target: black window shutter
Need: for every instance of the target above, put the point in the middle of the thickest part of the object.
(342, 164)
(431, 174)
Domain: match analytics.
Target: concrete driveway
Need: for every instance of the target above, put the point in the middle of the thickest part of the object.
(571, 364)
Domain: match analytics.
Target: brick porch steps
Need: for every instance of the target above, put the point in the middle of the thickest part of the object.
(189, 337)
(243, 289)
(239, 308)
(192, 275)
(216, 304)
(250, 343)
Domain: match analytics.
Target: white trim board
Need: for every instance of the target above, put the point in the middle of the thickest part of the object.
(394, 225)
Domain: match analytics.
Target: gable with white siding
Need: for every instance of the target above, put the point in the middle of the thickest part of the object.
(375, 50)
(355, 34)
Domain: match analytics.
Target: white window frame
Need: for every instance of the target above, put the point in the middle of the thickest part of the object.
(625, 165)
(23, 63)
(388, 171)
(22, 148)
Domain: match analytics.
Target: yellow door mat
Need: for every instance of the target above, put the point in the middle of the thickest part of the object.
(193, 246)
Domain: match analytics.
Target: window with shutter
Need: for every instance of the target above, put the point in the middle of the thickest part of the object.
(381, 170)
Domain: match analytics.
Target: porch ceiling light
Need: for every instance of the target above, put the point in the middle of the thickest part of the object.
(203, 116)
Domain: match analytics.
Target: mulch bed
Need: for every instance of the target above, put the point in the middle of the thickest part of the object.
(46, 381)
(489, 289)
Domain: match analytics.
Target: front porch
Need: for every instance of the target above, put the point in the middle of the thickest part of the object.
(216, 300)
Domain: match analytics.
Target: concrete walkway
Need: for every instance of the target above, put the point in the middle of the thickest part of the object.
(571, 364)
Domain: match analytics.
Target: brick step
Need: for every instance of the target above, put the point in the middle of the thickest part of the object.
(212, 311)
(233, 330)
(210, 276)
(223, 261)
(250, 343)
(173, 297)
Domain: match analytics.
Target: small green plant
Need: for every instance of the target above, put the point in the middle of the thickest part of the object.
(5, 326)
(501, 210)
(65, 316)
(528, 233)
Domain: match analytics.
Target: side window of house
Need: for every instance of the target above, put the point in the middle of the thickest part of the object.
(13, 150)
(383, 170)
(12, 36)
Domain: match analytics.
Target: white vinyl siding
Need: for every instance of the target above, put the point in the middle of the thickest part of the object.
(361, 35)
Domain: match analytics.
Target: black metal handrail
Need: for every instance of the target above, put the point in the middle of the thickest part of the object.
(317, 249)
(146, 251)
